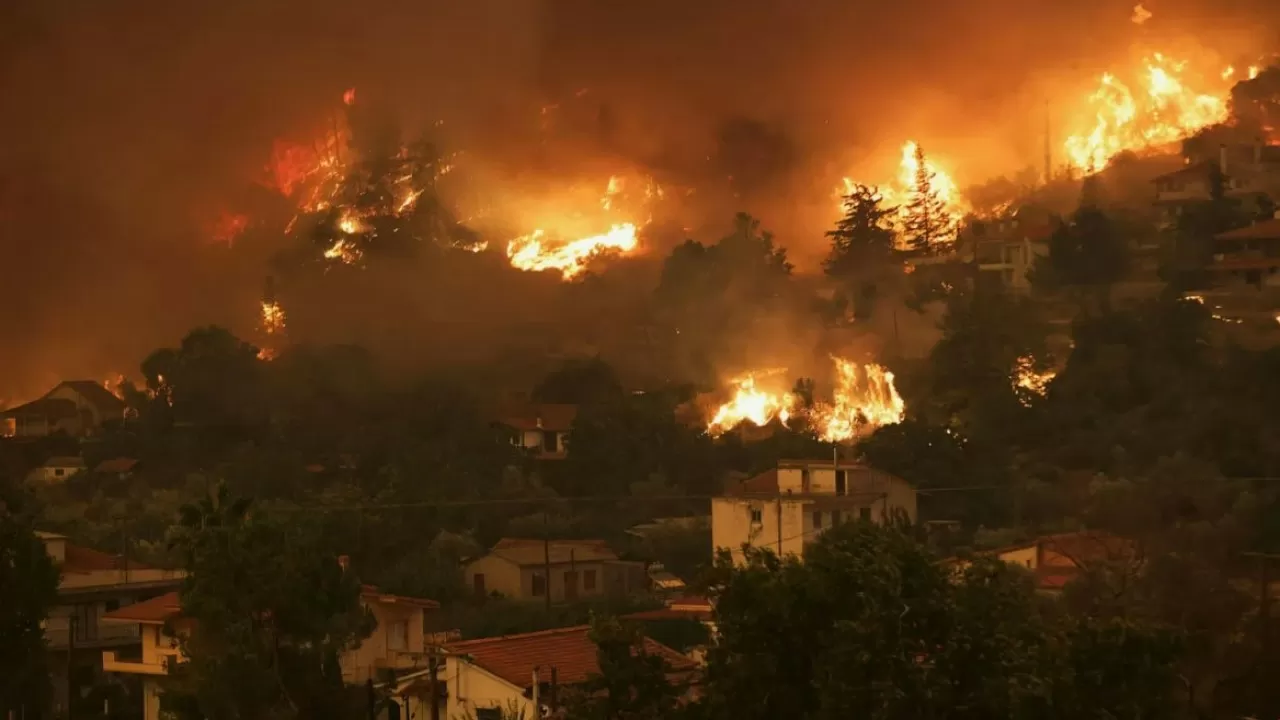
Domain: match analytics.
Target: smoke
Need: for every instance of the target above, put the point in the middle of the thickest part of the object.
(130, 125)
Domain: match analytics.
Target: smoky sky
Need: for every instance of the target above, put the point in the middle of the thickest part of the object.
(127, 125)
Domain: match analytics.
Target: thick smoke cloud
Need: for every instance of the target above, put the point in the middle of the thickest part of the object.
(129, 125)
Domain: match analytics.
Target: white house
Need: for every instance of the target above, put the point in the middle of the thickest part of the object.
(787, 508)
(57, 469)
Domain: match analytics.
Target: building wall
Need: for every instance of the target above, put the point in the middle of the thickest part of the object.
(472, 687)
(732, 525)
(377, 650)
(150, 700)
(1027, 557)
(500, 575)
(53, 474)
(607, 580)
(90, 411)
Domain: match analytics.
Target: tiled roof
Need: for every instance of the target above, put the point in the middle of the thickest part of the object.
(148, 612)
(84, 560)
(116, 465)
(1265, 230)
(96, 395)
(557, 418)
(373, 594)
(560, 552)
(569, 650)
(48, 408)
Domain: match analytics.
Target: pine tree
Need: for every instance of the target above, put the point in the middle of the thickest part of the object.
(926, 223)
(864, 237)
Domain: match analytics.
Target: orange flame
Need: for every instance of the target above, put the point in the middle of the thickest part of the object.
(900, 190)
(752, 404)
(272, 317)
(865, 398)
(1168, 104)
(228, 227)
(536, 251)
(349, 97)
(1026, 377)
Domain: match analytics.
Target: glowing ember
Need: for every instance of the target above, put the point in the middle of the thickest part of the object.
(1028, 378)
(228, 227)
(536, 251)
(1166, 104)
(899, 192)
(343, 250)
(1140, 15)
(752, 404)
(865, 399)
(115, 383)
(349, 97)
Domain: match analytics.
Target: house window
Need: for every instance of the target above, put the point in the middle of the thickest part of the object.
(864, 513)
(588, 579)
(757, 516)
(551, 441)
(817, 519)
(842, 482)
(398, 635)
(539, 585)
(57, 472)
(477, 582)
(835, 517)
(86, 620)
(804, 480)
(489, 713)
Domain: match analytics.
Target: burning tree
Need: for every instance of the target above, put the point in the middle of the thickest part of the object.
(861, 245)
(927, 222)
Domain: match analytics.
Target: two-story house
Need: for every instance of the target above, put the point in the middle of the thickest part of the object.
(1007, 248)
(1056, 560)
(92, 585)
(398, 643)
(1247, 172)
(518, 568)
(542, 429)
(76, 407)
(789, 507)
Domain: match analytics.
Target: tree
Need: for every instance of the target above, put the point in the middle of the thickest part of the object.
(927, 225)
(1086, 254)
(28, 588)
(862, 246)
(265, 615)
(633, 684)
(579, 381)
(871, 625)
(213, 380)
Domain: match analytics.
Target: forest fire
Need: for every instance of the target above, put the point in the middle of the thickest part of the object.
(752, 404)
(1164, 103)
(1028, 378)
(272, 317)
(865, 398)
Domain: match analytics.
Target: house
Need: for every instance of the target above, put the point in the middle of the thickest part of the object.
(1056, 560)
(483, 678)
(517, 568)
(1248, 256)
(121, 467)
(398, 643)
(56, 469)
(76, 407)
(1248, 172)
(93, 584)
(542, 429)
(789, 507)
(1007, 249)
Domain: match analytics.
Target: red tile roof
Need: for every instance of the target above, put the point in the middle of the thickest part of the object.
(84, 560)
(148, 612)
(1264, 230)
(116, 465)
(527, 552)
(569, 650)
(557, 418)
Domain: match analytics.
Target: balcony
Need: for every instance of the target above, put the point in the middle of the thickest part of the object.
(113, 661)
(57, 630)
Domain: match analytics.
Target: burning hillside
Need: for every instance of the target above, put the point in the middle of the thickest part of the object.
(919, 181)
(864, 399)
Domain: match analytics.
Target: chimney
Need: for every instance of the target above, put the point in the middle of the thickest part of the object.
(344, 561)
(1222, 158)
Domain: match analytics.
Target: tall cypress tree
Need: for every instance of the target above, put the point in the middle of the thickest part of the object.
(926, 223)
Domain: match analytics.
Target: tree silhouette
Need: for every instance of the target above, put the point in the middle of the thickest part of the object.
(864, 236)
(926, 223)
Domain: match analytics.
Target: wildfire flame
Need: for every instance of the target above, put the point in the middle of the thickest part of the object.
(272, 317)
(864, 399)
(1026, 377)
(537, 251)
(900, 190)
(228, 227)
(1166, 104)
(750, 403)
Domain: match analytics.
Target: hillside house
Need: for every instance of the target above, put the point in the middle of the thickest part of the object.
(398, 643)
(484, 678)
(1056, 560)
(1248, 172)
(1007, 249)
(789, 507)
(76, 407)
(542, 429)
(56, 469)
(91, 585)
(518, 568)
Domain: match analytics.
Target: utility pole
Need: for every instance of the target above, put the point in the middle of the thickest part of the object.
(546, 560)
